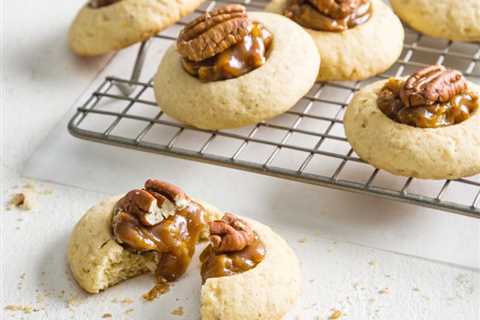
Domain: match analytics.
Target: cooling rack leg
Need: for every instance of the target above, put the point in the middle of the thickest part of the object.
(126, 88)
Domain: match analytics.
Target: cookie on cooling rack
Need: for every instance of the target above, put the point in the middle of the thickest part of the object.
(248, 271)
(231, 69)
(448, 19)
(424, 126)
(357, 39)
(103, 26)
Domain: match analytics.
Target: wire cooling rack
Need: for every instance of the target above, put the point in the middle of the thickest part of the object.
(306, 144)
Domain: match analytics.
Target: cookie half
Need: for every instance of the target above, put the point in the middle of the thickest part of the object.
(449, 19)
(433, 153)
(267, 291)
(287, 75)
(99, 30)
(97, 261)
(360, 52)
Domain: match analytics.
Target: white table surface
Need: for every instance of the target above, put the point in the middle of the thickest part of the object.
(40, 79)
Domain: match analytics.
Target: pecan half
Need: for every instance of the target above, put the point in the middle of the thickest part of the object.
(230, 234)
(101, 3)
(142, 205)
(167, 191)
(156, 202)
(431, 85)
(213, 32)
(337, 9)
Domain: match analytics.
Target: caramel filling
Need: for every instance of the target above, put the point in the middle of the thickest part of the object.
(307, 14)
(172, 241)
(239, 59)
(456, 110)
(215, 265)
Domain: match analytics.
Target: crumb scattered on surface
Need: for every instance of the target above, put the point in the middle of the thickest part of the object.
(160, 288)
(384, 291)
(123, 301)
(336, 314)
(20, 308)
(177, 311)
(71, 302)
(106, 316)
(303, 240)
(126, 301)
(128, 311)
(372, 263)
(22, 200)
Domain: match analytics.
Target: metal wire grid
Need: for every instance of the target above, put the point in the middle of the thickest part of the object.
(306, 144)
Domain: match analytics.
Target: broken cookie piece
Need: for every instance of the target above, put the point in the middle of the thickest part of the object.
(249, 272)
(126, 236)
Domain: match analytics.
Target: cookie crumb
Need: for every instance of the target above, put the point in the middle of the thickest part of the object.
(161, 287)
(20, 308)
(106, 316)
(126, 301)
(71, 302)
(336, 314)
(384, 291)
(177, 311)
(128, 311)
(303, 240)
(23, 200)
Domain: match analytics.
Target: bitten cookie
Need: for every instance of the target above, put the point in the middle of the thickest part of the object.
(96, 260)
(356, 48)
(248, 271)
(425, 126)
(449, 19)
(103, 26)
(210, 89)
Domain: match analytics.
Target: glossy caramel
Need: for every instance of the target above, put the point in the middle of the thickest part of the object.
(307, 15)
(216, 265)
(457, 110)
(172, 241)
(237, 60)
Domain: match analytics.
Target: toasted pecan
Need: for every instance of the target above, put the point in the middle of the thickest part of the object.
(213, 32)
(230, 234)
(433, 84)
